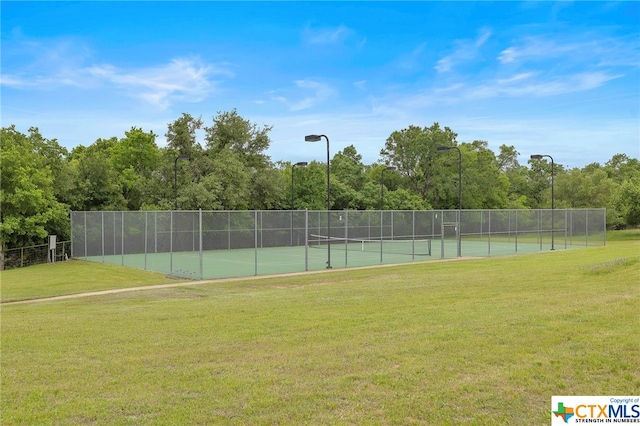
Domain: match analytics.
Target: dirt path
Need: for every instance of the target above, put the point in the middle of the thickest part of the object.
(191, 283)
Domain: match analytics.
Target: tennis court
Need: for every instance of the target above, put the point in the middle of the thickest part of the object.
(222, 244)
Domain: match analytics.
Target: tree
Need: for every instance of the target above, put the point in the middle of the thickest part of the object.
(621, 167)
(134, 158)
(30, 210)
(589, 187)
(403, 199)
(539, 182)
(347, 167)
(234, 133)
(98, 184)
(310, 189)
(414, 152)
(227, 182)
(236, 158)
(181, 135)
(484, 187)
(344, 197)
(627, 201)
(55, 157)
(516, 175)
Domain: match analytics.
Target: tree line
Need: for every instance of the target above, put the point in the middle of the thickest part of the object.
(42, 181)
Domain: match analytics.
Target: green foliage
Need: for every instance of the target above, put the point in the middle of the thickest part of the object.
(98, 184)
(414, 152)
(269, 191)
(233, 133)
(482, 171)
(181, 135)
(134, 158)
(347, 167)
(627, 201)
(310, 186)
(229, 169)
(30, 210)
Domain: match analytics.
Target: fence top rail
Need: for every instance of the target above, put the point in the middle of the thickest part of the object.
(336, 211)
(36, 246)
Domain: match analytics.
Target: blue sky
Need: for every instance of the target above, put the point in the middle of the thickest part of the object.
(556, 78)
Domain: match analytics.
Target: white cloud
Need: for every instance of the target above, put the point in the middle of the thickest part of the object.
(526, 84)
(15, 81)
(466, 50)
(592, 49)
(181, 79)
(327, 35)
(532, 48)
(412, 60)
(361, 84)
(314, 93)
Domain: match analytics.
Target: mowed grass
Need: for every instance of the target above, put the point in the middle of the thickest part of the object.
(485, 341)
(71, 277)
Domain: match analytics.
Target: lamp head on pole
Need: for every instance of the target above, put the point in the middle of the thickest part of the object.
(537, 156)
(444, 148)
(312, 138)
(301, 164)
(390, 168)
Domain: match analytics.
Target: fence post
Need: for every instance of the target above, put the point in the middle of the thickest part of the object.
(516, 237)
(413, 235)
(85, 234)
(306, 239)
(488, 232)
(566, 214)
(71, 224)
(255, 243)
(539, 228)
(122, 237)
(441, 234)
(200, 244)
(586, 227)
(155, 232)
(459, 232)
(102, 234)
(604, 226)
(346, 235)
(381, 232)
(146, 221)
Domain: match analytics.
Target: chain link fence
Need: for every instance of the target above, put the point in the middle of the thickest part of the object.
(220, 244)
(33, 255)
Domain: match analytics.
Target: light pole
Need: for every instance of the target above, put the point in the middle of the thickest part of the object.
(539, 157)
(458, 230)
(299, 164)
(317, 138)
(175, 178)
(390, 168)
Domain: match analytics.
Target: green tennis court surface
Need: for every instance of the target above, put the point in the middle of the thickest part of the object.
(344, 254)
(222, 244)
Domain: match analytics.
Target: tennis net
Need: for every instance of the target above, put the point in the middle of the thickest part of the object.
(398, 245)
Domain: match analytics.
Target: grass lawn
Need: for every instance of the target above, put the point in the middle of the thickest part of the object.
(484, 341)
(74, 276)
